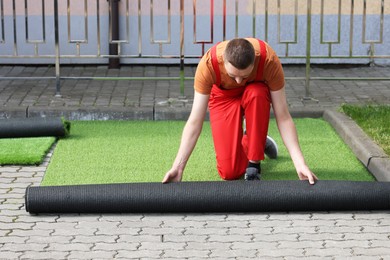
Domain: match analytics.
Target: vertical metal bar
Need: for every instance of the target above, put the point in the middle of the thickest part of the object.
(266, 21)
(86, 20)
(308, 50)
(2, 39)
(57, 47)
(15, 37)
(182, 47)
(224, 21)
(254, 19)
(139, 29)
(351, 30)
(26, 18)
(98, 27)
(211, 23)
(113, 63)
(236, 10)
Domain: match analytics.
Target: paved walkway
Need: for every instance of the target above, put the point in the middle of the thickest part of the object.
(312, 235)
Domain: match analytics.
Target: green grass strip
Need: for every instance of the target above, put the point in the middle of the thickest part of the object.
(374, 120)
(133, 151)
(24, 151)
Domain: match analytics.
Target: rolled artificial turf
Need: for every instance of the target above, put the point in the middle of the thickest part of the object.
(33, 127)
(102, 152)
(232, 196)
(25, 141)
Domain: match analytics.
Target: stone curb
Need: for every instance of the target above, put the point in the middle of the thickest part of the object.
(369, 153)
(92, 113)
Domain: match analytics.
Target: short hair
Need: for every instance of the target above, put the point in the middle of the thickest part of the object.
(240, 53)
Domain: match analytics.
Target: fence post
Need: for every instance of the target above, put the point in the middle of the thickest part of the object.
(113, 62)
(57, 50)
(308, 51)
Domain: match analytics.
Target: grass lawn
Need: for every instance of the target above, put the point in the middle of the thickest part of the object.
(24, 151)
(374, 120)
(138, 151)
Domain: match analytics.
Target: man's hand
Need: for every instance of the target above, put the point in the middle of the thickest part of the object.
(304, 173)
(173, 175)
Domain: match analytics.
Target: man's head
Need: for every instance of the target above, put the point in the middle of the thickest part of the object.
(239, 59)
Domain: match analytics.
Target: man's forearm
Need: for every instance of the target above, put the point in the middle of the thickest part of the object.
(290, 138)
(189, 138)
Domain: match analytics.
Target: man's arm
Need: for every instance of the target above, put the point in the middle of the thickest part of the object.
(289, 135)
(190, 135)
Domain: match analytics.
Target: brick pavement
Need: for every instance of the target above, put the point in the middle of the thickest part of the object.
(160, 100)
(312, 235)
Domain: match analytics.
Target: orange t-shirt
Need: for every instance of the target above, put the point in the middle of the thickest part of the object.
(273, 74)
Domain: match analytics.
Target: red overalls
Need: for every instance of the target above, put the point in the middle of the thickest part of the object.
(227, 108)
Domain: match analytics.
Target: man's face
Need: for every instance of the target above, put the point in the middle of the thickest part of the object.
(236, 74)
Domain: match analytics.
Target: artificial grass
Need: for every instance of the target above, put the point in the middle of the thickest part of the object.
(24, 151)
(374, 120)
(133, 151)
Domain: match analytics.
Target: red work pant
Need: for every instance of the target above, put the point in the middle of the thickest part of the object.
(227, 108)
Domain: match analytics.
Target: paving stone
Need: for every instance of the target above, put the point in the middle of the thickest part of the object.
(162, 231)
(366, 236)
(74, 232)
(44, 255)
(119, 231)
(346, 244)
(205, 231)
(184, 238)
(275, 237)
(345, 252)
(236, 253)
(65, 247)
(111, 246)
(185, 254)
(147, 254)
(265, 253)
(300, 244)
(96, 224)
(9, 255)
(54, 225)
(139, 238)
(230, 238)
(18, 247)
(249, 231)
(254, 245)
(49, 239)
(162, 245)
(29, 233)
(91, 255)
(15, 225)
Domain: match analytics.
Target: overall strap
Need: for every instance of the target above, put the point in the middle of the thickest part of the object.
(214, 61)
(263, 55)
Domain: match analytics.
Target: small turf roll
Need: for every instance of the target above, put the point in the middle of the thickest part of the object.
(224, 196)
(33, 127)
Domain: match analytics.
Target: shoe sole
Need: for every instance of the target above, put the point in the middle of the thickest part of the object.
(276, 146)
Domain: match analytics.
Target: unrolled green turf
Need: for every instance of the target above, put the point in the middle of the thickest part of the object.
(134, 151)
(24, 151)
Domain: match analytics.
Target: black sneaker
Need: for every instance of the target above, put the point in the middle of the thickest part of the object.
(271, 148)
(252, 174)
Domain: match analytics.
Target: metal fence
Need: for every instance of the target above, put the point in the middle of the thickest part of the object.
(180, 31)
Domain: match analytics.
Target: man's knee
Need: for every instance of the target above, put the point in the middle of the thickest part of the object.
(258, 90)
(229, 173)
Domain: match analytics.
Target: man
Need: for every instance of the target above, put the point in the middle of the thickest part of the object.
(236, 79)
